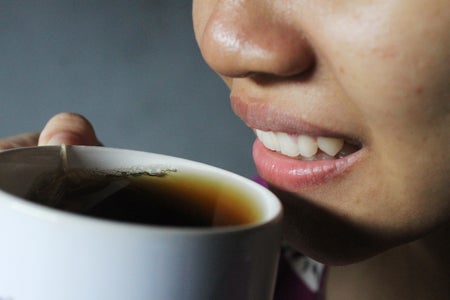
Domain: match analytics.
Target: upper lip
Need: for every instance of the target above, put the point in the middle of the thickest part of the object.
(266, 115)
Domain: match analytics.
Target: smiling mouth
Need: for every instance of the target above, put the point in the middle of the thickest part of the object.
(305, 147)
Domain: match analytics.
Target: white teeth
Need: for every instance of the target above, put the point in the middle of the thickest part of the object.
(303, 145)
(307, 146)
(330, 146)
(288, 145)
(269, 139)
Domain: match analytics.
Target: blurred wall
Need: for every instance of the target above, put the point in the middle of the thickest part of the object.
(131, 67)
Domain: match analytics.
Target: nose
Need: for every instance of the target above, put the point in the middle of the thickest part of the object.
(241, 38)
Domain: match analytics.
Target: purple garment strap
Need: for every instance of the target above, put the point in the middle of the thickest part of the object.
(261, 181)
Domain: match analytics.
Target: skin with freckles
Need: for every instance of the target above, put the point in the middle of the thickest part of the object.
(368, 71)
(373, 72)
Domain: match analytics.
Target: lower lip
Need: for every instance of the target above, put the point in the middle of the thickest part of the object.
(293, 175)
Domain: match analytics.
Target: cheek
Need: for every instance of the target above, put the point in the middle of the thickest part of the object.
(396, 91)
(405, 106)
(403, 101)
(390, 65)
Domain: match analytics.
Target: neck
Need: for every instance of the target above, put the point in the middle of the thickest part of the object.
(418, 270)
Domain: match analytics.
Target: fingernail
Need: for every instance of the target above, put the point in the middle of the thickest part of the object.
(64, 138)
(54, 141)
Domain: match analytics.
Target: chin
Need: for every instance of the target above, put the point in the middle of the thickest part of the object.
(327, 238)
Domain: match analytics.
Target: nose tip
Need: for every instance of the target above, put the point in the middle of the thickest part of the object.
(242, 42)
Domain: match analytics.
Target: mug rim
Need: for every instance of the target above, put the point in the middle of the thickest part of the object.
(44, 213)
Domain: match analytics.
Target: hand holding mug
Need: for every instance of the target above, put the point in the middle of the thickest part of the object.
(63, 128)
(108, 250)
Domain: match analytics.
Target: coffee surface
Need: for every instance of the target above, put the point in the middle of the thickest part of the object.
(169, 199)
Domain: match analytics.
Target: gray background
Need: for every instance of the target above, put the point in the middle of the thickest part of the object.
(131, 67)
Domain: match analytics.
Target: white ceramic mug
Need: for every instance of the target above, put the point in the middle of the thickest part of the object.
(49, 254)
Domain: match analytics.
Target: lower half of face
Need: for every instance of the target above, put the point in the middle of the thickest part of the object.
(378, 171)
(376, 198)
(355, 144)
(380, 179)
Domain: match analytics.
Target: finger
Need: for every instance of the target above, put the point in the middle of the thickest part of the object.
(69, 129)
(21, 140)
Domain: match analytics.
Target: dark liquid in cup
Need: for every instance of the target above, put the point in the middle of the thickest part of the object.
(169, 199)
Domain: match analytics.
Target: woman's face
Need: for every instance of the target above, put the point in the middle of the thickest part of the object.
(366, 79)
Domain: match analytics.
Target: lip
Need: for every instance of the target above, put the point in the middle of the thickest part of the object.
(285, 172)
(266, 116)
(293, 175)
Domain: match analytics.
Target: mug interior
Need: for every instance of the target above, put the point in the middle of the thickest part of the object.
(19, 169)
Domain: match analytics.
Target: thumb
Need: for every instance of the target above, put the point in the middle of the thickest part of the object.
(69, 129)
